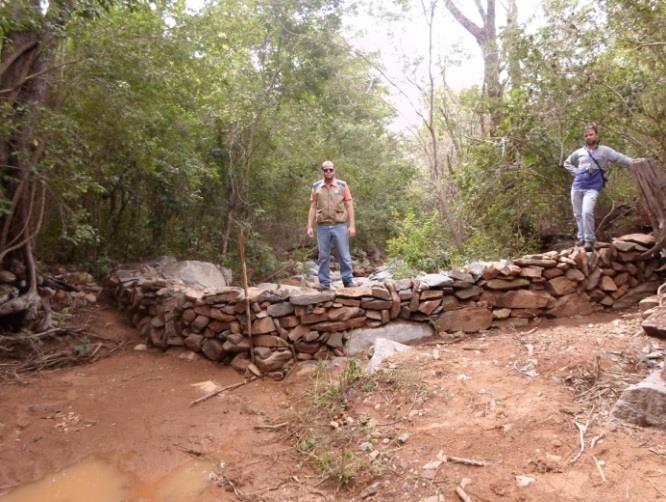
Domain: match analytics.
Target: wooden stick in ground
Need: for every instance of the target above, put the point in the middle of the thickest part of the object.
(220, 391)
(241, 244)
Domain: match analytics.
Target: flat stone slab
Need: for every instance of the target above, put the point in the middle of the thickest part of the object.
(626, 246)
(655, 324)
(357, 292)
(285, 290)
(469, 320)
(436, 280)
(506, 284)
(644, 403)
(311, 298)
(362, 339)
(643, 239)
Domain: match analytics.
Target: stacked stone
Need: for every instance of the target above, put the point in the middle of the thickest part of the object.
(291, 324)
(287, 323)
(558, 284)
(9, 286)
(153, 305)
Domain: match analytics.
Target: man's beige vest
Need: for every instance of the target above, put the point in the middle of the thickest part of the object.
(331, 207)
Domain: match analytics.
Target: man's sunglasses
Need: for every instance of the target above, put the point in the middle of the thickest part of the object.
(328, 169)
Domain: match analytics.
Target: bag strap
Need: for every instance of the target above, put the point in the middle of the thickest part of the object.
(595, 160)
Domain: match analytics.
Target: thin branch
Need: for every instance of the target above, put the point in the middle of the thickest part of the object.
(220, 391)
(650, 44)
(33, 76)
(16, 54)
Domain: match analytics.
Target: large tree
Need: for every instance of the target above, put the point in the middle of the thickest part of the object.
(29, 41)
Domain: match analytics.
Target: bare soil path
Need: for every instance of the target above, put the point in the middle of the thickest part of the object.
(509, 398)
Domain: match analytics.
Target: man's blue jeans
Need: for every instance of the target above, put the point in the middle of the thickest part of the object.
(583, 202)
(327, 235)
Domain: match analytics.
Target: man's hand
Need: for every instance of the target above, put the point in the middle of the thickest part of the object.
(310, 233)
(352, 231)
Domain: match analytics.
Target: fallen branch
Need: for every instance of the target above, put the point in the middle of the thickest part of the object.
(595, 439)
(226, 481)
(582, 429)
(189, 451)
(44, 350)
(466, 461)
(463, 496)
(655, 487)
(220, 391)
(271, 427)
(601, 471)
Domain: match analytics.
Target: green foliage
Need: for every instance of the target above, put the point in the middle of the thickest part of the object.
(418, 245)
(82, 347)
(591, 61)
(333, 394)
(327, 429)
(174, 129)
(168, 130)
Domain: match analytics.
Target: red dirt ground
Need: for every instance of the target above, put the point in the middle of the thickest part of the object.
(510, 398)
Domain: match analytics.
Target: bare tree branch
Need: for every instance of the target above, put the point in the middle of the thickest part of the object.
(475, 30)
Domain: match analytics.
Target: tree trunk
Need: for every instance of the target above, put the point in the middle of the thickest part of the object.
(486, 39)
(511, 37)
(25, 62)
(652, 186)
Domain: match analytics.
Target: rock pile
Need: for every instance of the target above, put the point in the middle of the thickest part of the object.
(62, 286)
(289, 323)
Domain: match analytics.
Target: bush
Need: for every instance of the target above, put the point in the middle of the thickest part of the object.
(418, 246)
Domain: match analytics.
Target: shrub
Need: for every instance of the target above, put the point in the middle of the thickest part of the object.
(418, 246)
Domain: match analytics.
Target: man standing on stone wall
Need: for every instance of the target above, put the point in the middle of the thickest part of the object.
(331, 207)
(588, 166)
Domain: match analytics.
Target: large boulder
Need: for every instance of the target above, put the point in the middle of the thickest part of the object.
(403, 332)
(195, 272)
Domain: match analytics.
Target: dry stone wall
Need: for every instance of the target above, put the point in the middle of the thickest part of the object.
(290, 324)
